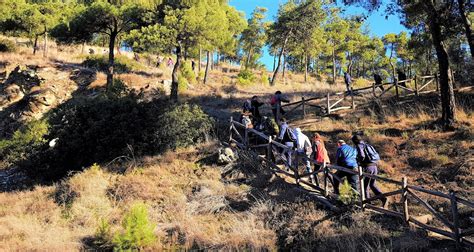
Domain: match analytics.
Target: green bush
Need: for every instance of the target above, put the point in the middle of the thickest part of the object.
(186, 124)
(98, 130)
(122, 63)
(118, 89)
(245, 77)
(137, 231)
(24, 142)
(188, 73)
(182, 83)
(347, 194)
(7, 45)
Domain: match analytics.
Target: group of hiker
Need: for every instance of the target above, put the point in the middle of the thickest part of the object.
(301, 147)
(402, 77)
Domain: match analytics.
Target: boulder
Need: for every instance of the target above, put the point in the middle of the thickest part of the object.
(226, 156)
(10, 94)
(40, 102)
(24, 77)
(83, 77)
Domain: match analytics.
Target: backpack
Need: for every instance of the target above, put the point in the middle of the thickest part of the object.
(273, 100)
(371, 155)
(290, 135)
(247, 106)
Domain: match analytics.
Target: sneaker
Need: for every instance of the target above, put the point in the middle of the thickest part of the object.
(385, 202)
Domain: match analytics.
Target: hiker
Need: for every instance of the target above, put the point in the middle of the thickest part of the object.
(303, 149)
(159, 60)
(255, 105)
(193, 65)
(319, 154)
(346, 156)
(170, 62)
(367, 157)
(288, 138)
(378, 81)
(275, 102)
(402, 77)
(245, 120)
(348, 81)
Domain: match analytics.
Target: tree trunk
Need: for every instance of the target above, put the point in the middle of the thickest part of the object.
(110, 72)
(349, 67)
(333, 66)
(448, 104)
(391, 64)
(275, 73)
(35, 46)
(174, 80)
(305, 68)
(284, 66)
(83, 48)
(45, 49)
(467, 25)
(207, 66)
(249, 55)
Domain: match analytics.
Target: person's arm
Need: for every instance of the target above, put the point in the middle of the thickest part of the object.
(282, 131)
(283, 99)
(360, 153)
(259, 104)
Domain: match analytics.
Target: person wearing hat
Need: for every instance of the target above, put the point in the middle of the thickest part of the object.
(346, 156)
(367, 157)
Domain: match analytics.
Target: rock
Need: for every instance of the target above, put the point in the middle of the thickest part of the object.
(40, 102)
(226, 156)
(25, 78)
(83, 77)
(11, 94)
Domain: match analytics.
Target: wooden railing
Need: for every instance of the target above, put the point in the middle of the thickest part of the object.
(333, 102)
(251, 139)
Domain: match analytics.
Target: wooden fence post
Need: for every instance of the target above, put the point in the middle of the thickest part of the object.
(326, 174)
(230, 129)
(328, 104)
(454, 211)
(361, 187)
(269, 149)
(246, 138)
(373, 90)
(416, 87)
(406, 215)
(304, 108)
(396, 89)
(352, 98)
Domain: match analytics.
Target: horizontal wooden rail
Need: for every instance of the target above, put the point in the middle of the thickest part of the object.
(432, 229)
(383, 195)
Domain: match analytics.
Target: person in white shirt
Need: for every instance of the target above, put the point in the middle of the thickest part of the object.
(303, 149)
(288, 138)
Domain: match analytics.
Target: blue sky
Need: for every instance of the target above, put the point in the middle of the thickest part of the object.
(377, 24)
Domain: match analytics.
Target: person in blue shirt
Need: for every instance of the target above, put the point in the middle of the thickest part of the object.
(346, 156)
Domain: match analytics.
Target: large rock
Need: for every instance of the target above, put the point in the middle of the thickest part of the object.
(10, 94)
(40, 102)
(24, 77)
(83, 77)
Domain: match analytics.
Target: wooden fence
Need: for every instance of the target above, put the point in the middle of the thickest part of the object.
(250, 139)
(333, 102)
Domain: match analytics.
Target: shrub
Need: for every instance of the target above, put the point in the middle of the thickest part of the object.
(119, 89)
(187, 124)
(245, 77)
(137, 229)
(24, 142)
(101, 62)
(7, 45)
(347, 194)
(188, 73)
(98, 130)
(182, 83)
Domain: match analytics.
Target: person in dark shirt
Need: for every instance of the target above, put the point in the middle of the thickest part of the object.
(348, 81)
(254, 108)
(378, 81)
(402, 77)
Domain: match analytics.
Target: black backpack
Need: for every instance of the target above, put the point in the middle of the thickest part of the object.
(371, 155)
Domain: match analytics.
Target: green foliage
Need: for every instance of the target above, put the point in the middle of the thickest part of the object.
(245, 77)
(24, 142)
(118, 90)
(188, 73)
(7, 45)
(182, 83)
(100, 129)
(103, 235)
(185, 125)
(347, 195)
(253, 37)
(138, 231)
(123, 64)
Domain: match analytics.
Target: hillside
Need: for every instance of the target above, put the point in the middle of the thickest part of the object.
(192, 201)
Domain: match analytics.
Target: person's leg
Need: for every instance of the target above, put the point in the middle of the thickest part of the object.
(372, 183)
(339, 175)
(274, 111)
(353, 180)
